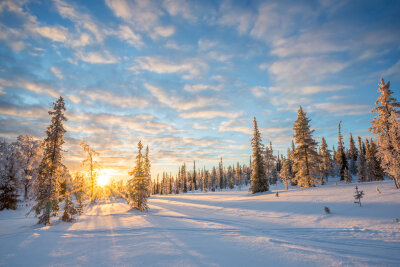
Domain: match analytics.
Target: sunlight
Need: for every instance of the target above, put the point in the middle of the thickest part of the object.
(105, 176)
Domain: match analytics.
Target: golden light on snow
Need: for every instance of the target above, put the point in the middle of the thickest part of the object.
(105, 176)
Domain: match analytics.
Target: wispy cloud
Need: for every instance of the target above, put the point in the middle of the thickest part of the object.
(188, 68)
(177, 102)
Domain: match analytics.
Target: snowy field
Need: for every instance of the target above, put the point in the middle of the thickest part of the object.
(230, 228)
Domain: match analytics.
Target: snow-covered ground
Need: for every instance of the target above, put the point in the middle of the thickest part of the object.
(230, 228)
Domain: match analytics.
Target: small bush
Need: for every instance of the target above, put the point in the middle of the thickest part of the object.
(327, 210)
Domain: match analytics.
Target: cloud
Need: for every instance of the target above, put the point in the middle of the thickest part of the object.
(83, 21)
(198, 126)
(235, 126)
(56, 33)
(259, 91)
(75, 99)
(305, 69)
(338, 109)
(125, 33)
(188, 68)
(143, 16)
(36, 87)
(194, 88)
(116, 100)
(96, 58)
(240, 18)
(57, 73)
(209, 114)
(179, 7)
(176, 102)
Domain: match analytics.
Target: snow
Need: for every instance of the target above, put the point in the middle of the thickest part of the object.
(228, 228)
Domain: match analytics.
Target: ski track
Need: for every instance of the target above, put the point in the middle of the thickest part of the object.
(215, 229)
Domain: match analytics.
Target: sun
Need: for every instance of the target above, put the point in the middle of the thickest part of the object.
(104, 177)
(103, 180)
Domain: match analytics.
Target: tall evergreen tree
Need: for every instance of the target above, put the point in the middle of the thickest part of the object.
(51, 168)
(305, 156)
(285, 173)
(259, 181)
(385, 126)
(353, 154)
(194, 178)
(138, 185)
(373, 166)
(221, 175)
(325, 160)
(361, 163)
(340, 156)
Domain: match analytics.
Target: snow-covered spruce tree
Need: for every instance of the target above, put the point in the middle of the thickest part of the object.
(79, 191)
(361, 163)
(194, 178)
(305, 156)
(390, 160)
(270, 164)
(213, 179)
(205, 180)
(353, 154)
(340, 156)
(285, 173)
(373, 166)
(221, 175)
(29, 154)
(8, 176)
(293, 182)
(138, 185)
(65, 193)
(231, 178)
(51, 168)
(326, 166)
(259, 181)
(384, 126)
(91, 167)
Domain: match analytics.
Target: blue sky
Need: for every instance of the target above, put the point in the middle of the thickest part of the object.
(187, 77)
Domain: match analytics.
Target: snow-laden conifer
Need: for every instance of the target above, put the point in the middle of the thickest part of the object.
(385, 126)
(51, 169)
(305, 155)
(259, 181)
(138, 185)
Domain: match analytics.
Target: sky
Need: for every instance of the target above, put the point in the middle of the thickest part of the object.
(187, 77)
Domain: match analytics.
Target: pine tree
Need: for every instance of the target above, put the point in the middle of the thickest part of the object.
(259, 181)
(305, 156)
(65, 193)
(353, 154)
(138, 185)
(194, 178)
(285, 173)
(8, 179)
(361, 162)
(79, 192)
(340, 155)
(373, 166)
(221, 175)
(51, 168)
(386, 128)
(205, 179)
(325, 159)
(213, 179)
